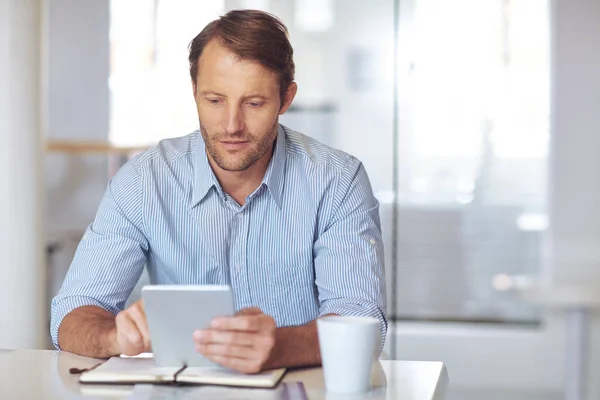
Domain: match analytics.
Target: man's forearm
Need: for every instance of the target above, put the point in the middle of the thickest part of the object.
(295, 346)
(89, 331)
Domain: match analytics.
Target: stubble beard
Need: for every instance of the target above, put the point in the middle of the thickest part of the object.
(243, 159)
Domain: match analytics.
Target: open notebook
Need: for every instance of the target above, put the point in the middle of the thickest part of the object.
(143, 370)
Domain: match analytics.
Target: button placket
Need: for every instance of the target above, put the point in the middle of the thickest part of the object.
(240, 257)
(237, 256)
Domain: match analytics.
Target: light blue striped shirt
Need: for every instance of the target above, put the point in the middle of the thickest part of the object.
(306, 243)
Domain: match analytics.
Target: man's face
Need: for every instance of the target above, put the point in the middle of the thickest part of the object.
(238, 106)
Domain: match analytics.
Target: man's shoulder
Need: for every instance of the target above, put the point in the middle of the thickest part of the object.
(313, 153)
(167, 152)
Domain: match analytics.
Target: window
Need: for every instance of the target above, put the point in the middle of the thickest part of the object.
(151, 93)
(473, 139)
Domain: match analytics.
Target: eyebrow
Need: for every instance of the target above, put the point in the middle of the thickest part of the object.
(207, 92)
(252, 96)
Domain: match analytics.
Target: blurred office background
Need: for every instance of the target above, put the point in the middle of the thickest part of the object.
(475, 119)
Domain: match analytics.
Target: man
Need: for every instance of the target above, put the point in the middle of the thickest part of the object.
(290, 224)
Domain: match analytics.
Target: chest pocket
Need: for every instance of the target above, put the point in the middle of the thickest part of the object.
(285, 255)
(294, 270)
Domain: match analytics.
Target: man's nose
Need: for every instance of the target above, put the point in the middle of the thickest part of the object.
(234, 120)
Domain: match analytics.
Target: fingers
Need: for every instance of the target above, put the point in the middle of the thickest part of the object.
(246, 359)
(133, 336)
(129, 339)
(243, 342)
(224, 337)
(261, 342)
(244, 322)
(138, 315)
(229, 350)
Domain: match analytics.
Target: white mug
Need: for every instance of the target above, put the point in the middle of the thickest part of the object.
(349, 347)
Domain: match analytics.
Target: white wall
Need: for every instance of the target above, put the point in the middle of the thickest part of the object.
(78, 108)
(575, 187)
(21, 245)
(575, 163)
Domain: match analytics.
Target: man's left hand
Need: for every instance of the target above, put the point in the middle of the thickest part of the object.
(243, 342)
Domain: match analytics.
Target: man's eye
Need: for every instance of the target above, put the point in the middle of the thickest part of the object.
(213, 101)
(254, 104)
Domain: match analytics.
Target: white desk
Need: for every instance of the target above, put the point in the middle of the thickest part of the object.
(44, 375)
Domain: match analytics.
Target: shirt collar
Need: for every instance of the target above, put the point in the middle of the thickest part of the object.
(274, 176)
(205, 179)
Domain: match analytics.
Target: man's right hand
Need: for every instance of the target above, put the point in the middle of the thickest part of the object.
(132, 336)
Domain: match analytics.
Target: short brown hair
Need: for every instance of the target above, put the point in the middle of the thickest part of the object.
(251, 35)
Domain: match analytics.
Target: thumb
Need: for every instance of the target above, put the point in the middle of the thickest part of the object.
(140, 305)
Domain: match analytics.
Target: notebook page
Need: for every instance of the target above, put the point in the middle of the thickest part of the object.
(119, 369)
(135, 365)
(224, 376)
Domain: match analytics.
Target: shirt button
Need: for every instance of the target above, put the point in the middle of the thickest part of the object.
(372, 241)
(239, 215)
(238, 269)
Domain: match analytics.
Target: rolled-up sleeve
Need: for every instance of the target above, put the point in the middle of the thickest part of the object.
(349, 266)
(111, 255)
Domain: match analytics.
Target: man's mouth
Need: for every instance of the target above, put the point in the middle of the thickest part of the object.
(234, 144)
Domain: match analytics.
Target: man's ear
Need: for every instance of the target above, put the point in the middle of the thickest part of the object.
(288, 97)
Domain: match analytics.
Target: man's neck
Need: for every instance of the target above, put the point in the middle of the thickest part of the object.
(240, 184)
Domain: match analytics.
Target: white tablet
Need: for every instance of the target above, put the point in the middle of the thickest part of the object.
(174, 312)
